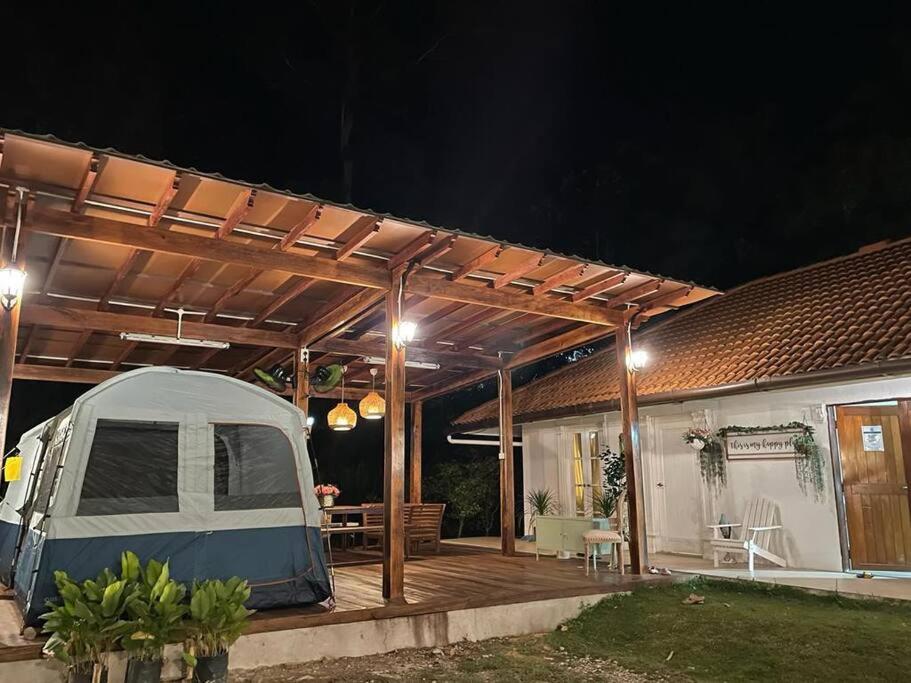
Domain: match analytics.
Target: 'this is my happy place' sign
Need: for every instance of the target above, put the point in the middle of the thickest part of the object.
(760, 445)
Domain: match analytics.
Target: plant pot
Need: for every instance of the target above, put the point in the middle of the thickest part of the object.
(74, 676)
(327, 501)
(211, 669)
(697, 444)
(143, 671)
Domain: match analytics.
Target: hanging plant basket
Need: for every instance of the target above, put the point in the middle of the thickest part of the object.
(710, 455)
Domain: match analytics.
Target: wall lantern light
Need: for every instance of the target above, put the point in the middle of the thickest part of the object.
(637, 360)
(12, 284)
(403, 333)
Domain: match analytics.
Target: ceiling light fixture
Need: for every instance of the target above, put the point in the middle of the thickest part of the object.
(377, 360)
(12, 277)
(174, 341)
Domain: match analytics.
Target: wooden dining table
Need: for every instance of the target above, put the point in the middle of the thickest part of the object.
(344, 527)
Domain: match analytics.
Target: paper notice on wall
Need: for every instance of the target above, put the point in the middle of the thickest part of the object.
(872, 436)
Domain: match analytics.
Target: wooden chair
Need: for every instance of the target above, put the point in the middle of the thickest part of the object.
(592, 539)
(373, 524)
(423, 525)
(755, 535)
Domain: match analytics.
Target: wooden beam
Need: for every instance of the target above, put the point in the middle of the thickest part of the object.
(359, 234)
(77, 347)
(417, 434)
(526, 266)
(562, 342)
(88, 183)
(476, 263)
(108, 231)
(602, 284)
(164, 201)
(56, 373)
(104, 230)
(394, 455)
(629, 295)
(629, 416)
(54, 266)
(119, 277)
(27, 346)
(450, 331)
(425, 285)
(337, 312)
(9, 325)
(451, 384)
(277, 302)
(241, 206)
(412, 249)
(507, 454)
(561, 277)
(302, 228)
(103, 321)
(442, 246)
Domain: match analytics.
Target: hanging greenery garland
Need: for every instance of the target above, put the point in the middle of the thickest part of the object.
(710, 455)
(808, 464)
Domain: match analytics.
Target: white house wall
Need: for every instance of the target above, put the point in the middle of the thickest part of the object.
(810, 537)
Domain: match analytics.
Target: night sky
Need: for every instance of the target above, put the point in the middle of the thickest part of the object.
(715, 144)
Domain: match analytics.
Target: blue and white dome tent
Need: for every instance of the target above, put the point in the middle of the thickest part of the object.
(206, 471)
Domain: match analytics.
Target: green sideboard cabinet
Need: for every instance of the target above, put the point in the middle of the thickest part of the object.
(564, 534)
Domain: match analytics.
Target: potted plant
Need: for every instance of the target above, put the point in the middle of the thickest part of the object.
(217, 619)
(84, 624)
(540, 502)
(326, 494)
(154, 617)
(604, 505)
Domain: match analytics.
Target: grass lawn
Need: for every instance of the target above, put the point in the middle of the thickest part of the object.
(746, 631)
(743, 631)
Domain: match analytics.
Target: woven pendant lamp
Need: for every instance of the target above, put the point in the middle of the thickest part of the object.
(342, 418)
(372, 406)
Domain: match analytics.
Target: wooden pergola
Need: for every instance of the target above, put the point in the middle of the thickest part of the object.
(115, 243)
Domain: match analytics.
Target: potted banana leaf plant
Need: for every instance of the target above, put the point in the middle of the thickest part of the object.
(217, 619)
(84, 623)
(540, 502)
(153, 619)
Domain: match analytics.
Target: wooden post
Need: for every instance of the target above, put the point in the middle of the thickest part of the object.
(507, 486)
(9, 320)
(302, 376)
(629, 413)
(394, 454)
(417, 419)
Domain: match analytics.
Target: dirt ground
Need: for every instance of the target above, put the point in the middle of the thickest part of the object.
(528, 658)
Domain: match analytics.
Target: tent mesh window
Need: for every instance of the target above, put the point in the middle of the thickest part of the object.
(254, 468)
(132, 468)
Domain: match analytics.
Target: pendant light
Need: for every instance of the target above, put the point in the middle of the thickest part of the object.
(372, 406)
(342, 418)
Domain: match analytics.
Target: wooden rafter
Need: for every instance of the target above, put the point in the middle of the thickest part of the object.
(449, 358)
(119, 277)
(54, 265)
(561, 277)
(298, 288)
(629, 295)
(670, 299)
(529, 264)
(88, 183)
(412, 249)
(476, 263)
(164, 202)
(336, 313)
(441, 247)
(454, 329)
(358, 235)
(601, 284)
(305, 225)
(242, 205)
(27, 345)
(566, 341)
(241, 284)
(77, 347)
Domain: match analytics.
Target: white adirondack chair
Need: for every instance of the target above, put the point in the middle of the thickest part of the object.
(755, 534)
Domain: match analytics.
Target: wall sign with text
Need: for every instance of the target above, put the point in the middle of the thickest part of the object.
(776, 444)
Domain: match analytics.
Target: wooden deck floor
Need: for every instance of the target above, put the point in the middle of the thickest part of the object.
(459, 577)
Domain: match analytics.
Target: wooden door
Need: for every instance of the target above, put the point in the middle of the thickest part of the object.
(875, 473)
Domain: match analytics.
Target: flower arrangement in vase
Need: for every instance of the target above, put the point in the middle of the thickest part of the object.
(326, 494)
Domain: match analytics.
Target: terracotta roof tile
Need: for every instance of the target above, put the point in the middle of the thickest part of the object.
(845, 312)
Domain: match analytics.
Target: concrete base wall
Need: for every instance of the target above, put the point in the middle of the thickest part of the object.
(355, 639)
